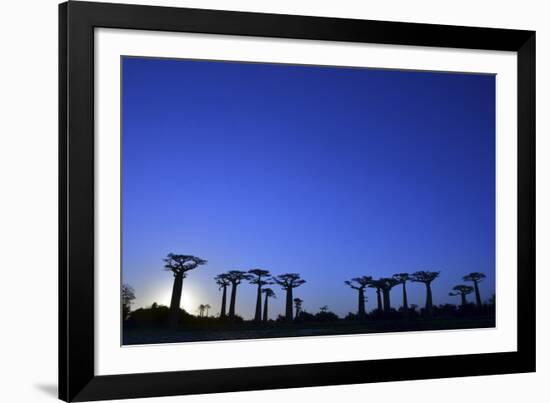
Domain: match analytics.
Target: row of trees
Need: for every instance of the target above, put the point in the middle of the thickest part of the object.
(384, 285)
(203, 310)
(180, 265)
(260, 278)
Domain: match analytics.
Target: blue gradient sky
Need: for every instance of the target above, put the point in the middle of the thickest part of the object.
(329, 172)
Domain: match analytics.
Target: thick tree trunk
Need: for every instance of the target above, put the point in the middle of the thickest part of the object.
(361, 304)
(232, 301)
(428, 299)
(224, 297)
(463, 299)
(405, 303)
(478, 296)
(258, 314)
(288, 312)
(379, 299)
(386, 295)
(265, 309)
(176, 300)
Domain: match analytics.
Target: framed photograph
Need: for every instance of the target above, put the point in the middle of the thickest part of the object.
(257, 201)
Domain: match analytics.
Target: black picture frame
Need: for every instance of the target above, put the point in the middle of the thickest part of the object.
(77, 379)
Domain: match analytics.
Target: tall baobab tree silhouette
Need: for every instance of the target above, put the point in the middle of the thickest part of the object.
(127, 296)
(257, 278)
(288, 282)
(235, 277)
(475, 278)
(201, 309)
(223, 281)
(426, 277)
(207, 307)
(387, 283)
(298, 305)
(402, 278)
(179, 265)
(462, 290)
(269, 293)
(359, 284)
(377, 284)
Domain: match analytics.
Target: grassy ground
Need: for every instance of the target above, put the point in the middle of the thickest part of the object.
(248, 330)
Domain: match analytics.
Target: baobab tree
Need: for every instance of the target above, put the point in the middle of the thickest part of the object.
(359, 284)
(462, 290)
(258, 276)
(386, 284)
(298, 305)
(127, 295)
(402, 278)
(475, 278)
(201, 309)
(377, 284)
(288, 282)
(269, 293)
(179, 265)
(207, 307)
(426, 277)
(223, 281)
(235, 277)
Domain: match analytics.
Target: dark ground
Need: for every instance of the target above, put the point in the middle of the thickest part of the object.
(247, 330)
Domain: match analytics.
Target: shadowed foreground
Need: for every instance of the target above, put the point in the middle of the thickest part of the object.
(154, 335)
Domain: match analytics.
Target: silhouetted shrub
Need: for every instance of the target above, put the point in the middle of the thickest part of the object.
(326, 316)
(351, 316)
(376, 314)
(280, 319)
(467, 310)
(392, 314)
(444, 310)
(304, 316)
(410, 313)
(156, 314)
(237, 319)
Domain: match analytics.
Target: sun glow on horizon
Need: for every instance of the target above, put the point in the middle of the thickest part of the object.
(189, 300)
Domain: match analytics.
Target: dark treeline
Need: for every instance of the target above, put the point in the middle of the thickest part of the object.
(229, 282)
(384, 285)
